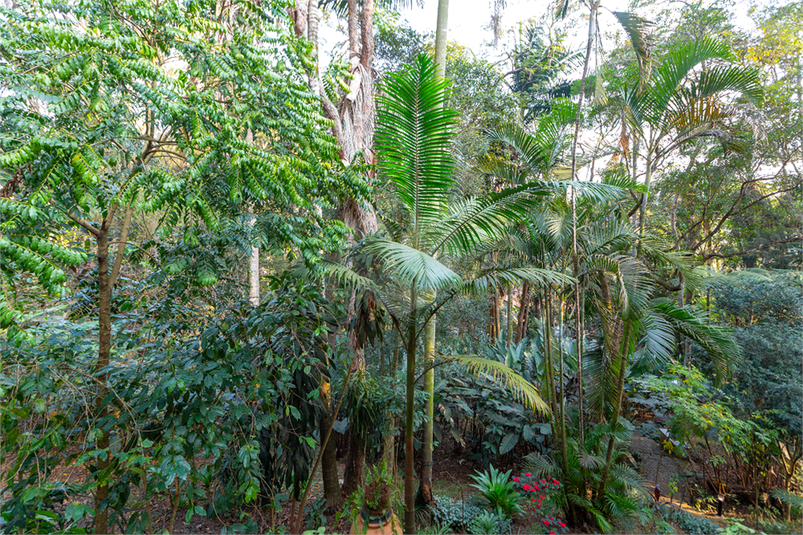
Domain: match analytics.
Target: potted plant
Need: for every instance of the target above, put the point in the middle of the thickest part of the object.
(376, 514)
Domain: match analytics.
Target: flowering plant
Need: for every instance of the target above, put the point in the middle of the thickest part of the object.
(538, 493)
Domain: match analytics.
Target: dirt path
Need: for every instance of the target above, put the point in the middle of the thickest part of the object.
(651, 457)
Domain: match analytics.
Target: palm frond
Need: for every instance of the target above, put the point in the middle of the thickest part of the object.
(717, 79)
(413, 134)
(343, 275)
(473, 221)
(523, 391)
(412, 266)
(717, 341)
(541, 465)
(496, 278)
(636, 27)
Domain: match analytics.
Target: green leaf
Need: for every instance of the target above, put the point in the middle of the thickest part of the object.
(508, 443)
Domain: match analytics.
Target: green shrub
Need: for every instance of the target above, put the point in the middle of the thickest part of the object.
(489, 523)
(499, 491)
(456, 514)
(689, 523)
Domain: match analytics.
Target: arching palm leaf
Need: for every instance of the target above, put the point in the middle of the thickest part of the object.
(716, 341)
(523, 390)
(412, 266)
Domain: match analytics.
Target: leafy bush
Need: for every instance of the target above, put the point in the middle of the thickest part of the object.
(537, 493)
(689, 523)
(496, 424)
(489, 523)
(455, 514)
(235, 394)
(499, 491)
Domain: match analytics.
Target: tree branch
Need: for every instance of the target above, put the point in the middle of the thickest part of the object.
(84, 223)
(707, 257)
(118, 261)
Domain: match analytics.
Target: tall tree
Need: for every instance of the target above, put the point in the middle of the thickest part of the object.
(97, 123)
(414, 136)
(427, 445)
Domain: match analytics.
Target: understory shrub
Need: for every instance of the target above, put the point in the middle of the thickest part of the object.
(689, 523)
(242, 395)
(489, 523)
(457, 515)
(498, 491)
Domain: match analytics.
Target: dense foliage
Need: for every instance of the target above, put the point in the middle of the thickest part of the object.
(222, 268)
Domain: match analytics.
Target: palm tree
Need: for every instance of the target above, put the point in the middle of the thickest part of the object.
(414, 132)
(594, 241)
(676, 103)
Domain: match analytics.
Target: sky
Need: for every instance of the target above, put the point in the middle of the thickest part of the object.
(469, 22)
(468, 19)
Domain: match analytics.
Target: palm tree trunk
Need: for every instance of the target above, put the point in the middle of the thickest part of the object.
(509, 334)
(440, 37)
(425, 483)
(493, 328)
(643, 207)
(409, 452)
(524, 313)
(576, 262)
(624, 351)
(549, 368)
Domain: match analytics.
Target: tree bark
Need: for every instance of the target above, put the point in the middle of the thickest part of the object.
(331, 483)
(427, 444)
(524, 313)
(253, 269)
(409, 452)
(575, 255)
(104, 352)
(441, 31)
(352, 476)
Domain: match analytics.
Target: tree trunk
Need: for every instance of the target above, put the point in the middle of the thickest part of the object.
(352, 475)
(331, 483)
(441, 31)
(509, 333)
(104, 352)
(409, 452)
(427, 445)
(425, 483)
(495, 328)
(524, 313)
(592, 25)
(253, 270)
(622, 358)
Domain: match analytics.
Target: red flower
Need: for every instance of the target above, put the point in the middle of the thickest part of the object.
(542, 497)
(526, 487)
(546, 522)
(562, 524)
(543, 481)
(528, 475)
(532, 499)
(516, 479)
(551, 533)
